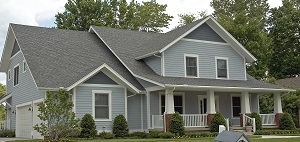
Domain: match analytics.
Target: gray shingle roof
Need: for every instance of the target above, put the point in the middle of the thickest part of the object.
(123, 44)
(229, 136)
(59, 58)
(290, 82)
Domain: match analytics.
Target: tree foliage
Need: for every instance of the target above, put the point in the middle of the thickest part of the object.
(58, 120)
(285, 32)
(2, 107)
(88, 127)
(120, 128)
(176, 124)
(191, 17)
(81, 14)
(246, 21)
(286, 122)
(217, 120)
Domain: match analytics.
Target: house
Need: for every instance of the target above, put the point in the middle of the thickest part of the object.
(196, 70)
(229, 136)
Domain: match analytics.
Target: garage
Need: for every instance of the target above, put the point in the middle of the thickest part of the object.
(24, 121)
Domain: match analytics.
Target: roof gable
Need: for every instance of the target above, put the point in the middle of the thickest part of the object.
(16, 49)
(206, 33)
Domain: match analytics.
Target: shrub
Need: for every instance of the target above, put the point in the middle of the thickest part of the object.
(139, 135)
(154, 134)
(176, 124)
(120, 128)
(88, 127)
(286, 122)
(166, 135)
(7, 133)
(217, 120)
(258, 122)
(106, 135)
(276, 132)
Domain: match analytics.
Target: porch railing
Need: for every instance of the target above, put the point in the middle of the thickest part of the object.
(247, 119)
(189, 120)
(267, 119)
(2, 124)
(157, 121)
(194, 120)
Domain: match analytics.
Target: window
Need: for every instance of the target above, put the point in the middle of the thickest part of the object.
(191, 65)
(178, 103)
(236, 106)
(203, 104)
(8, 75)
(16, 75)
(222, 67)
(24, 66)
(101, 105)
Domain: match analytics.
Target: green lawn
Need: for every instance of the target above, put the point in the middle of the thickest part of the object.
(253, 139)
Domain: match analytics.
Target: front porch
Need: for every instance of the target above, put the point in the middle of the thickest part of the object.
(198, 108)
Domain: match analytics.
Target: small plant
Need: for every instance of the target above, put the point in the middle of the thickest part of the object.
(120, 128)
(7, 133)
(258, 122)
(88, 127)
(176, 124)
(154, 134)
(106, 135)
(166, 135)
(248, 124)
(286, 122)
(217, 120)
(139, 135)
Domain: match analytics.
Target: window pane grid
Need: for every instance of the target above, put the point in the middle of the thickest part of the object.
(191, 66)
(101, 106)
(222, 68)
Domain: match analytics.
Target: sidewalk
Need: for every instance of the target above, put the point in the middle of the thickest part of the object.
(277, 137)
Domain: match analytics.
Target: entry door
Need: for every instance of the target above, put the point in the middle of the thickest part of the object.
(202, 101)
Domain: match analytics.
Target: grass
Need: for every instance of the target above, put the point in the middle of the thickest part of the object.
(253, 139)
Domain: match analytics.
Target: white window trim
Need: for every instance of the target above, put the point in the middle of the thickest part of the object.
(197, 59)
(217, 103)
(24, 68)
(109, 104)
(175, 94)
(216, 66)
(14, 75)
(9, 75)
(231, 106)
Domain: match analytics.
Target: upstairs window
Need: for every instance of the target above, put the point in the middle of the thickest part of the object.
(222, 67)
(16, 75)
(191, 65)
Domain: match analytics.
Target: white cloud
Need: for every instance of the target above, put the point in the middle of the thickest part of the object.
(41, 13)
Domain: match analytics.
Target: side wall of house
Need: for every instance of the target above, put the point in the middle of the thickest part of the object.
(26, 91)
(154, 63)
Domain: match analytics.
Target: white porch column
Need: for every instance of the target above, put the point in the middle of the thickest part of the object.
(169, 101)
(245, 103)
(277, 103)
(211, 106)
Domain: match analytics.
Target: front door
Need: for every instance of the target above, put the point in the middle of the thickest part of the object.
(202, 103)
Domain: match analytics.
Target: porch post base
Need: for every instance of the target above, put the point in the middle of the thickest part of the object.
(241, 118)
(168, 118)
(209, 119)
(278, 116)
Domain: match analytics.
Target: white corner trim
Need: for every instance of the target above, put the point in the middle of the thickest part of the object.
(197, 63)
(9, 75)
(204, 41)
(109, 104)
(74, 99)
(186, 33)
(216, 66)
(163, 63)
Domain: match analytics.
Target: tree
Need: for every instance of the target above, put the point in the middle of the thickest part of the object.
(246, 21)
(58, 119)
(291, 104)
(189, 18)
(176, 125)
(88, 127)
(120, 128)
(285, 32)
(81, 14)
(2, 107)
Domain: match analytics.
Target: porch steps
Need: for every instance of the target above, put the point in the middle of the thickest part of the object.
(238, 129)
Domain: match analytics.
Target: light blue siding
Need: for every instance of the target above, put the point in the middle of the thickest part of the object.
(100, 78)
(84, 104)
(174, 59)
(26, 91)
(145, 125)
(134, 112)
(254, 103)
(191, 102)
(154, 63)
(205, 32)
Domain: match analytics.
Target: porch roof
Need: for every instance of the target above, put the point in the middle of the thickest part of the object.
(251, 84)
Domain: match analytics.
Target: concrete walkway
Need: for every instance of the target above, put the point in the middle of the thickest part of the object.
(11, 139)
(277, 137)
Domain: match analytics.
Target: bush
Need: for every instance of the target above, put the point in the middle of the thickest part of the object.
(217, 120)
(120, 128)
(276, 132)
(7, 133)
(154, 134)
(106, 135)
(166, 135)
(258, 122)
(139, 135)
(176, 124)
(286, 122)
(88, 127)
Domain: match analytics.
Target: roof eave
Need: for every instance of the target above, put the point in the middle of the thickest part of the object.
(8, 46)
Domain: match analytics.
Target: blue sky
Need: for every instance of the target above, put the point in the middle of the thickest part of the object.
(41, 13)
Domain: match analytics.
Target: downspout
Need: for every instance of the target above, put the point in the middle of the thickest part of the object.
(164, 115)
(131, 95)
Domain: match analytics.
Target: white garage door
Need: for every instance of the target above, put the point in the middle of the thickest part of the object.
(24, 122)
(36, 120)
